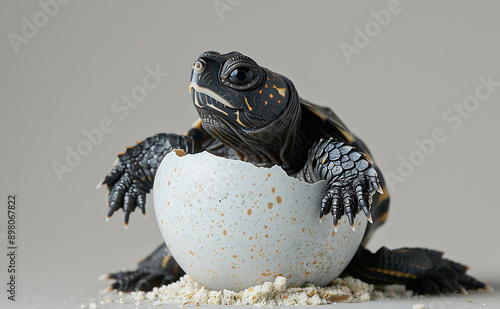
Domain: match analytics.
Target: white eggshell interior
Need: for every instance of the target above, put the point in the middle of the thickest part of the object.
(232, 225)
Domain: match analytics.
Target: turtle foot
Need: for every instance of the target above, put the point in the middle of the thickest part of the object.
(138, 280)
(352, 180)
(446, 277)
(421, 270)
(131, 177)
(158, 269)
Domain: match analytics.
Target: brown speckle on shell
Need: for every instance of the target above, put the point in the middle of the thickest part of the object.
(241, 229)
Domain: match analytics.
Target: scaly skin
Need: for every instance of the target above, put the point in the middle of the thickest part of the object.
(423, 271)
(351, 179)
(132, 175)
(158, 269)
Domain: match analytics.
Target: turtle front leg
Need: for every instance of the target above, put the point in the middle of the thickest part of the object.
(351, 179)
(132, 175)
(158, 269)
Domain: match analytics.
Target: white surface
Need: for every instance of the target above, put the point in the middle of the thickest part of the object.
(483, 299)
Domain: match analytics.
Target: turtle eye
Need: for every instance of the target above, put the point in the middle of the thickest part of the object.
(242, 78)
(199, 66)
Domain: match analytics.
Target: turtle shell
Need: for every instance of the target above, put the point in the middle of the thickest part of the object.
(324, 121)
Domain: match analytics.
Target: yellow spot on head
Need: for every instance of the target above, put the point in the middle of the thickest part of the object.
(281, 91)
(249, 212)
(270, 205)
(238, 119)
(246, 101)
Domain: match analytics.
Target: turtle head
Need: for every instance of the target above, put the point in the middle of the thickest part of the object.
(245, 106)
(235, 88)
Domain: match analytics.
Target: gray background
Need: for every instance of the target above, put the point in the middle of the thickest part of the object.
(393, 92)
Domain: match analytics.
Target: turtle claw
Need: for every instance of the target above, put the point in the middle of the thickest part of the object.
(368, 214)
(350, 217)
(335, 224)
(349, 198)
(159, 268)
(141, 203)
(126, 218)
(352, 180)
(369, 218)
(133, 172)
(127, 195)
(100, 184)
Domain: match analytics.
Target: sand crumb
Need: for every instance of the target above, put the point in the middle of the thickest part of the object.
(188, 292)
(418, 306)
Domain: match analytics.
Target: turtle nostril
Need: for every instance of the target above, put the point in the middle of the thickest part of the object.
(199, 66)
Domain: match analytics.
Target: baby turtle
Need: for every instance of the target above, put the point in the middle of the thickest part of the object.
(250, 113)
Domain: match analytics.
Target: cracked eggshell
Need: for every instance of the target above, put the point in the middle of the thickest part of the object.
(232, 225)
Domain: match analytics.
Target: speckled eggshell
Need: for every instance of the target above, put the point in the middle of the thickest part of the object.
(232, 225)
